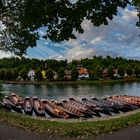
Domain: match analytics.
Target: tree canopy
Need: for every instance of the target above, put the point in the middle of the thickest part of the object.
(62, 19)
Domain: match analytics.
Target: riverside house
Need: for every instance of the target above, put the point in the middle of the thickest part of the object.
(83, 72)
(67, 74)
(31, 75)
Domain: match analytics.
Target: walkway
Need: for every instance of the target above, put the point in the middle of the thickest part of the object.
(11, 133)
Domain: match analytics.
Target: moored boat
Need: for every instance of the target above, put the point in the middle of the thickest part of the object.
(87, 112)
(101, 109)
(123, 107)
(6, 103)
(89, 108)
(53, 110)
(15, 99)
(70, 110)
(14, 106)
(27, 106)
(38, 107)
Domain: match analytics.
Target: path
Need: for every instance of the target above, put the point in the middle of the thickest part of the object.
(8, 132)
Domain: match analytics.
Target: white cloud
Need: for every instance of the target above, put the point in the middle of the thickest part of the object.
(5, 54)
(96, 41)
(119, 38)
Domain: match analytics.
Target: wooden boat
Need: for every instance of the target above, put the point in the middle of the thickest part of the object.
(123, 107)
(15, 99)
(106, 105)
(14, 106)
(101, 108)
(53, 110)
(70, 110)
(127, 101)
(81, 108)
(6, 103)
(38, 107)
(27, 106)
(93, 109)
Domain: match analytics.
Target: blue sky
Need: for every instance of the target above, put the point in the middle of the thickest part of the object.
(119, 38)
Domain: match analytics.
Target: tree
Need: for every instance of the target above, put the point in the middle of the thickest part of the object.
(98, 71)
(2, 74)
(121, 70)
(61, 73)
(137, 70)
(38, 74)
(74, 74)
(50, 74)
(8, 74)
(15, 74)
(129, 70)
(22, 18)
(110, 72)
(23, 73)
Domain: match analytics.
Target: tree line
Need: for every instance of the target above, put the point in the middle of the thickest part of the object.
(11, 68)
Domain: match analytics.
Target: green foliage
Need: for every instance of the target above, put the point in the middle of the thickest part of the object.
(121, 70)
(22, 18)
(129, 70)
(98, 71)
(74, 74)
(110, 72)
(38, 74)
(50, 74)
(23, 73)
(137, 70)
(2, 74)
(95, 66)
(61, 73)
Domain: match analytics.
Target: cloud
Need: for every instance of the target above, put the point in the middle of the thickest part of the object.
(119, 38)
(5, 54)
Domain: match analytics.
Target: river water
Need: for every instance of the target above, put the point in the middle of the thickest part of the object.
(76, 91)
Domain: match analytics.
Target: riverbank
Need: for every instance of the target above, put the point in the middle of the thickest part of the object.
(95, 82)
(132, 133)
(68, 128)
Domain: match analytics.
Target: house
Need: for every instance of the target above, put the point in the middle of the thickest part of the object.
(83, 72)
(67, 74)
(55, 77)
(105, 74)
(31, 75)
(43, 74)
(115, 73)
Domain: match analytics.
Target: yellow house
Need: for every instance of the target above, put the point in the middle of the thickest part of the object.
(43, 74)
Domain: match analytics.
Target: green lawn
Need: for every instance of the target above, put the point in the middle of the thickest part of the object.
(70, 128)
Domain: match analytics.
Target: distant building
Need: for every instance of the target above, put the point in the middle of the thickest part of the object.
(43, 74)
(31, 75)
(115, 73)
(55, 77)
(83, 72)
(105, 74)
(67, 74)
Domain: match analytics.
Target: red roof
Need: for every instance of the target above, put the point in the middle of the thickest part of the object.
(83, 71)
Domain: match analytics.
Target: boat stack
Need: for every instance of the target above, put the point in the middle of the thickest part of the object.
(71, 108)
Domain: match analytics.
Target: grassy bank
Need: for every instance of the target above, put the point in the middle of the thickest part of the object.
(95, 82)
(67, 128)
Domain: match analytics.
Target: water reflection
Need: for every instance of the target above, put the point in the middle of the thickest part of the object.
(76, 91)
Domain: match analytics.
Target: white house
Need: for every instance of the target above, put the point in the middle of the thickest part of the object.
(83, 73)
(31, 75)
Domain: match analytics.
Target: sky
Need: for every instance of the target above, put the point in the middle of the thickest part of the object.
(119, 38)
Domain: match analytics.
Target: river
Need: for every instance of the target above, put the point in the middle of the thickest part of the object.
(59, 92)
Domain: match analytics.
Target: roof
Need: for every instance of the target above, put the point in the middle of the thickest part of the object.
(83, 71)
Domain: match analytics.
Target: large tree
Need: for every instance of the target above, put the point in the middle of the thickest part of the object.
(23, 18)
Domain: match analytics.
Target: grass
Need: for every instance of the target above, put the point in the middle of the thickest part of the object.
(83, 82)
(67, 128)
